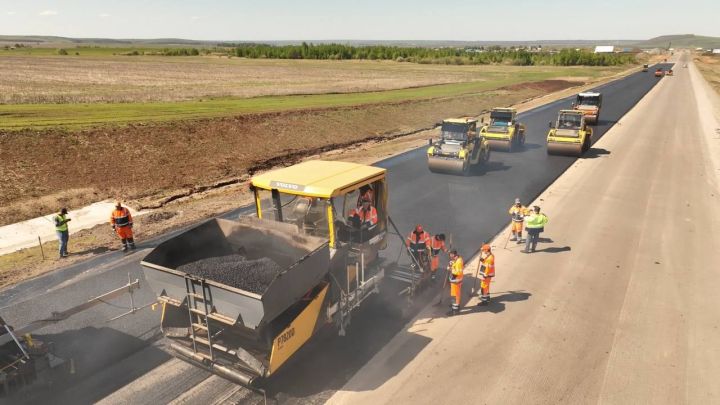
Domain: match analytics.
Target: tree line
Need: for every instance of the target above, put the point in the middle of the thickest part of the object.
(451, 56)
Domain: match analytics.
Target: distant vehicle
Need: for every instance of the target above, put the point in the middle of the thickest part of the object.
(589, 103)
(659, 73)
(645, 68)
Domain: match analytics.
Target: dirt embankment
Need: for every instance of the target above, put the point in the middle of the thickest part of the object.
(147, 163)
(710, 68)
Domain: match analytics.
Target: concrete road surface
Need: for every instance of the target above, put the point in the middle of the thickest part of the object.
(125, 361)
(619, 305)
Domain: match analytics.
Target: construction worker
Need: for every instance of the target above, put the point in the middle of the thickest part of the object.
(534, 225)
(122, 224)
(419, 243)
(366, 193)
(456, 267)
(365, 215)
(437, 245)
(487, 272)
(61, 229)
(517, 215)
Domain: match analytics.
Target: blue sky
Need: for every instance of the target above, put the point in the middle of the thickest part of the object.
(360, 19)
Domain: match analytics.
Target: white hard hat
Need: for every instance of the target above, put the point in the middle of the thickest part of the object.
(517, 201)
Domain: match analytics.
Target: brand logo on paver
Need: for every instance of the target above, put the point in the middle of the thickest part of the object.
(289, 186)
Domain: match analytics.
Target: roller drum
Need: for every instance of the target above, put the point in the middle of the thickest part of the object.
(570, 149)
(500, 144)
(447, 165)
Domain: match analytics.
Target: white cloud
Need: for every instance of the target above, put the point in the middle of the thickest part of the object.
(104, 15)
(48, 12)
(11, 13)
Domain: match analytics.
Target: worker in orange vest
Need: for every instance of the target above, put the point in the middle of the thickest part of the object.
(487, 273)
(366, 214)
(122, 224)
(517, 215)
(419, 243)
(437, 245)
(366, 193)
(455, 268)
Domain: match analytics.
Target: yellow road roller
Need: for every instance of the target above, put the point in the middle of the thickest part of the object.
(503, 132)
(459, 148)
(570, 135)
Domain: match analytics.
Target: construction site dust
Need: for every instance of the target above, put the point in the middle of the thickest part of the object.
(84, 354)
(236, 271)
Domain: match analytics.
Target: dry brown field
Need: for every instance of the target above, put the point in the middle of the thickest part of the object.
(57, 79)
(710, 68)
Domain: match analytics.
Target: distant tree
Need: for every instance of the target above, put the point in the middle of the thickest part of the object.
(62, 51)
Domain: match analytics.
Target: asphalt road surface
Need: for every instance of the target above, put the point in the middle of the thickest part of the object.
(124, 361)
(619, 304)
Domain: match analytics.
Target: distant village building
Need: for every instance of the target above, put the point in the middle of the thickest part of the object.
(716, 51)
(604, 49)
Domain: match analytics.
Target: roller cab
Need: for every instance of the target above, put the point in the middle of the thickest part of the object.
(240, 297)
(590, 104)
(570, 135)
(459, 148)
(503, 132)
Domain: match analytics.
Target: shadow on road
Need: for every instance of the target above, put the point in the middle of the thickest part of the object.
(94, 251)
(596, 153)
(497, 302)
(554, 249)
(530, 146)
(328, 361)
(488, 167)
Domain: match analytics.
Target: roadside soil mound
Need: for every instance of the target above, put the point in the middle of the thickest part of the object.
(145, 164)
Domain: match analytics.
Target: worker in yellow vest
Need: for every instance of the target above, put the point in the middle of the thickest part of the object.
(61, 229)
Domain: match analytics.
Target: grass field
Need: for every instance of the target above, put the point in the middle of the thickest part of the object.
(79, 92)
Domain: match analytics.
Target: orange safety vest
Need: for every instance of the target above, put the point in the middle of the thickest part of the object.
(418, 242)
(436, 246)
(121, 217)
(456, 268)
(370, 216)
(517, 213)
(489, 265)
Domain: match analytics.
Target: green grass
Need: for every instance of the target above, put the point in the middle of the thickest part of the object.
(78, 116)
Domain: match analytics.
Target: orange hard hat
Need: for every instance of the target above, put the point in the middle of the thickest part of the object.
(418, 228)
(485, 248)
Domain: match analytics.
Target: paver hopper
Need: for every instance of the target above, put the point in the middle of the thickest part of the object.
(244, 334)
